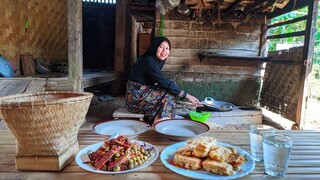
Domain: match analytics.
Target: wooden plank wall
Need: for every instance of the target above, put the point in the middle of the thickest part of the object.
(238, 81)
(46, 36)
(239, 37)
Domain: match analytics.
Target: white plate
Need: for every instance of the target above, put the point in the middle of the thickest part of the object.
(167, 156)
(126, 127)
(82, 156)
(181, 129)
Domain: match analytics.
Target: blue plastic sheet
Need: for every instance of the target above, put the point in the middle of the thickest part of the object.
(6, 69)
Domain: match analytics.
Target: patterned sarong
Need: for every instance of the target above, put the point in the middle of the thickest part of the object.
(150, 101)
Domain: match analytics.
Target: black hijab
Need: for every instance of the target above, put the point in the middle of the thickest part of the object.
(153, 47)
(155, 43)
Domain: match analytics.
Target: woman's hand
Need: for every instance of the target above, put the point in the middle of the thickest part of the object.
(193, 100)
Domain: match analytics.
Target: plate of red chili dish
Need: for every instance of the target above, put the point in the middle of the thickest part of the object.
(86, 162)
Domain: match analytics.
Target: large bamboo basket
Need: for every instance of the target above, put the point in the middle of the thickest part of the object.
(45, 123)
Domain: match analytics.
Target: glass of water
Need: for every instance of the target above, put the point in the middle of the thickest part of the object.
(257, 131)
(276, 154)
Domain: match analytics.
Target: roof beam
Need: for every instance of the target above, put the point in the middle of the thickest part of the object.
(267, 5)
(252, 6)
(291, 6)
(231, 7)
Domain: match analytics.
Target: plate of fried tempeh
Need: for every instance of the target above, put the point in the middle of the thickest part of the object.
(206, 158)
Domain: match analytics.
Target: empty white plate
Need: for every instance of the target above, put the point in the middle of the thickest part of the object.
(126, 127)
(181, 129)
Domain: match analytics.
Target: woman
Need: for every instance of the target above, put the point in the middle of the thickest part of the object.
(149, 91)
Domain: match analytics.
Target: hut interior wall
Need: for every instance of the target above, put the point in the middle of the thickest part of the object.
(226, 79)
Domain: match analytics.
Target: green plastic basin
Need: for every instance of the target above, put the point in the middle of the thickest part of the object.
(199, 116)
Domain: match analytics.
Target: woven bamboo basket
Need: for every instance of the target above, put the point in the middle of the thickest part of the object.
(45, 123)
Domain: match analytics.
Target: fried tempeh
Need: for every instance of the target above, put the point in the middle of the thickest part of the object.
(221, 168)
(187, 162)
(203, 146)
(186, 150)
(236, 160)
(220, 153)
(205, 153)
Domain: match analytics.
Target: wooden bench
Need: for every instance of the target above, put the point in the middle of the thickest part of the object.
(124, 113)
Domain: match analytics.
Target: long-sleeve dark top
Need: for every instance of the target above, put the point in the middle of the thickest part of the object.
(147, 71)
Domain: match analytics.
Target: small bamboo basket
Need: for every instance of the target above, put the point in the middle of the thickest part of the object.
(45, 123)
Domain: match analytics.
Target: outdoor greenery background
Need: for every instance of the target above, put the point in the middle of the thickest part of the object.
(298, 41)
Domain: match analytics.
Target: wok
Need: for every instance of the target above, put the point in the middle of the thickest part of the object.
(211, 104)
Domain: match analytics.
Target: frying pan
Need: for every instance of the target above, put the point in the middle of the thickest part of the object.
(211, 104)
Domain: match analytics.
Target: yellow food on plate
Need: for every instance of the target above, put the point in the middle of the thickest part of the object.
(202, 146)
(187, 162)
(236, 160)
(216, 167)
(204, 153)
(220, 153)
(186, 150)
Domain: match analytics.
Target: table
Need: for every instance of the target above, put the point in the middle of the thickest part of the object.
(304, 163)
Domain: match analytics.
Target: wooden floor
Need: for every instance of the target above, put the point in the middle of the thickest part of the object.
(11, 86)
(51, 82)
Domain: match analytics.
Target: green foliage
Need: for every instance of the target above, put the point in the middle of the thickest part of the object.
(316, 71)
(288, 28)
(297, 41)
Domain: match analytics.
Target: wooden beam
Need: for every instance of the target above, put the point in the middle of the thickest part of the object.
(267, 5)
(288, 22)
(308, 51)
(263, 41)
(231, 7)
(75, 53)
(142, 8)
(299, 33)
(251, 7)
(204, 54)
(120, 36)
(291, 6)
(120, 46)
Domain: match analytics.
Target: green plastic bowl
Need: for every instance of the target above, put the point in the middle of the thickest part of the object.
(199, 116)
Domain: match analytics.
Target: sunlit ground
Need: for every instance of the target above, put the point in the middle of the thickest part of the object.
(312, 118)
(313, 115)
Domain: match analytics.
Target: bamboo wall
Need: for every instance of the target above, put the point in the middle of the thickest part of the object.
(46, 36)
(283, 83)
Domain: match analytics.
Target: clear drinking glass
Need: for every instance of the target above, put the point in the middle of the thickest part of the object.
(276, 154)
(257, 131)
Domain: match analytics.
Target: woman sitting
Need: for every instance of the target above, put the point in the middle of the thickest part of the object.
(149, 91)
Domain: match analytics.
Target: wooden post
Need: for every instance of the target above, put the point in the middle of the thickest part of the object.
(120, 36)
(119, 49)
(263, 45)
(308, 52)
(134, 39)
(75, 52)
